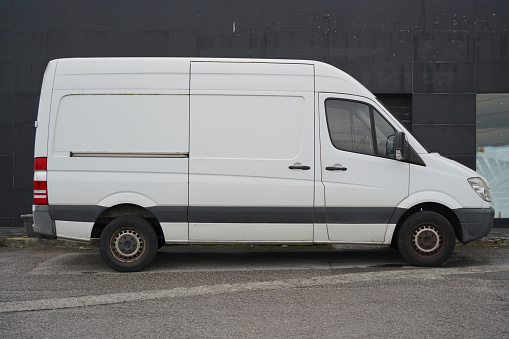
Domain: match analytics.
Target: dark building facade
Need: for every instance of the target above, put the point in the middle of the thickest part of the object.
(427, 60)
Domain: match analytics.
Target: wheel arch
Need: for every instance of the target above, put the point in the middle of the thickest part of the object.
(126, 210)
(443, 210)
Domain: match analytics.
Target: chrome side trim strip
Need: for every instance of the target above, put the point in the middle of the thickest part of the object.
(129, 155)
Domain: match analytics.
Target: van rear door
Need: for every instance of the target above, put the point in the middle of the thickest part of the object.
(251, 152)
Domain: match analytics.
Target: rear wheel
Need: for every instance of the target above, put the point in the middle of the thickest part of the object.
(128, 244)
(426, 239)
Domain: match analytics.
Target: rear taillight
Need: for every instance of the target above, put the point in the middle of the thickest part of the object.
(40, 181)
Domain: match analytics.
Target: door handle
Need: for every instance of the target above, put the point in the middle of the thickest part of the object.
(305, 168)
(336, 168)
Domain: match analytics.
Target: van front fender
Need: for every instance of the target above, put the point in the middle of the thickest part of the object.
(429, 197)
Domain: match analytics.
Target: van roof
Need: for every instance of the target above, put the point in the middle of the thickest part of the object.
(84, 73)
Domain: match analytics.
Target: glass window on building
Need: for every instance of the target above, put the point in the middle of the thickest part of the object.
(492, 140)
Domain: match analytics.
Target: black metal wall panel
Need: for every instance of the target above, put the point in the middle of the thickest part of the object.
(182, 44)
(493, 77)
(492, 46)
(6, 16)
(6, 206)
(444, 46)
(6, 168)
(444, 109)
(26, 107)
(28, 77)
(7, 106)
(99, 15)
(171, 16)
(6, 47)
(391, 47)
(492, 15)
(23, 168)
(349, 15)
(445, 123)
(36, 16)
(6, 140)
(388, 77)
(36, 48)
(24, 137)
(393, 16)
(21, 198)
(6, 77)
(439, 15)
(448, 140)
(447, 77)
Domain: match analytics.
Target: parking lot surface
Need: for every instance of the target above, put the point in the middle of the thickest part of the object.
(255, 291)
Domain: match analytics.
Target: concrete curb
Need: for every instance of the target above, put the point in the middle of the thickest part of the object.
(491, 242)
(28, 242)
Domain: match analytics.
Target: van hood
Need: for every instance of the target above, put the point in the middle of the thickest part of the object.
(458, 168)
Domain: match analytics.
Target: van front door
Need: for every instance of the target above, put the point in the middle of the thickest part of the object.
(363, 181)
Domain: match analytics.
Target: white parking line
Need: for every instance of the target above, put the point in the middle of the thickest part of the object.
(181, 292)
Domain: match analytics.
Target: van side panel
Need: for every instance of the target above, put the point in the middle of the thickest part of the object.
(107, 145)
(127, 123)
(110, 147)
(145, 74)
(249, 123)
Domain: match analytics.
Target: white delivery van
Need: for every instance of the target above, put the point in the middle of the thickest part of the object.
(142, 152)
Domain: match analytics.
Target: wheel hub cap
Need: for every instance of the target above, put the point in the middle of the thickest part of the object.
(426, 239)
(127, 245)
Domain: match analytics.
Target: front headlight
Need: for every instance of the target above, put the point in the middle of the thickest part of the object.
(481, 188)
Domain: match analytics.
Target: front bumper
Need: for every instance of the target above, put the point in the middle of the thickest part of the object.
(44, 226)
(475, 223)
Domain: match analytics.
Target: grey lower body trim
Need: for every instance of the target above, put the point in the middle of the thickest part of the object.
(475, 223)
(169, 213)
(236, 214)
(398, 213)
(83, 213)
(361, 215)
(275, 215)
(44, 226)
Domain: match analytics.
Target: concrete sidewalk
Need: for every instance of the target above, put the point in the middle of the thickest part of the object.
(16, 237)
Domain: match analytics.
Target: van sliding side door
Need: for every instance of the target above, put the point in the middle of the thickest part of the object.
(251, 173)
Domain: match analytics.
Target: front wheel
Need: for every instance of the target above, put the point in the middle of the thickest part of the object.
(426, 239)
(128, 244)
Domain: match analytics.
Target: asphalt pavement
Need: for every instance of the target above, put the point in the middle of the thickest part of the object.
(254, 292)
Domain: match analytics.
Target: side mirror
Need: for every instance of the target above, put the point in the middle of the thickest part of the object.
(401, 146)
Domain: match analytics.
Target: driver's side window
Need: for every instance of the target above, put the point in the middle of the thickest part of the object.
(350, 125)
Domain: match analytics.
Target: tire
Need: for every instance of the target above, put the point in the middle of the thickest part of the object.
(426, 239)
(128, 244)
